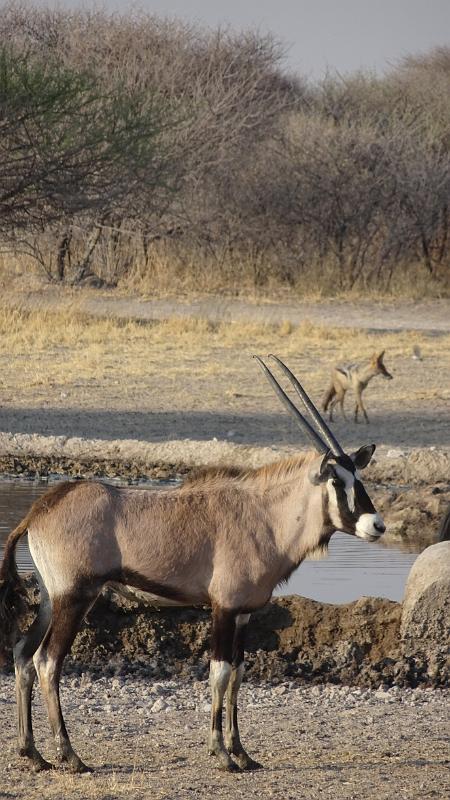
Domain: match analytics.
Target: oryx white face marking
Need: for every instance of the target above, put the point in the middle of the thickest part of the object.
(333, 505)
(350, 507)
(348, 480)
(370, 526)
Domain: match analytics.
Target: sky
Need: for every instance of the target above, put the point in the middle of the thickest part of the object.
(341, 35)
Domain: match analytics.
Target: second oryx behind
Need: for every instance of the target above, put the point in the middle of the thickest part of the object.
(225, 539)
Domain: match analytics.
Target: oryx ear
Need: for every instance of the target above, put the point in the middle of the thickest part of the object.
(321, 470)
(363, 456)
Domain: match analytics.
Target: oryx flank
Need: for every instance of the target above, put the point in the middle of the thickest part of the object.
(356, 377)
(224, 539)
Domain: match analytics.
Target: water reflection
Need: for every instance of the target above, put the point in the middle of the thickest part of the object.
(353, 567)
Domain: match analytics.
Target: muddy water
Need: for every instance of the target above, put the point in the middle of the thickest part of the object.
(353, 568)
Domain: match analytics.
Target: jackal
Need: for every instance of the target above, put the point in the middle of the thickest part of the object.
(356, 377)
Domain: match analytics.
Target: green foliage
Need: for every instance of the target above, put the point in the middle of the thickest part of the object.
(67, 144)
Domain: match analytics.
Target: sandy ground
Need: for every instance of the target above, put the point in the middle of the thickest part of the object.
(181, 384)
(149, 742)
(427, 315)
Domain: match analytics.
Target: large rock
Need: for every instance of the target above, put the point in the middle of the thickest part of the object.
(425, 622)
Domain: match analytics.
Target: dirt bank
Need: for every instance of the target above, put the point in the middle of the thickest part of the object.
(291, 638)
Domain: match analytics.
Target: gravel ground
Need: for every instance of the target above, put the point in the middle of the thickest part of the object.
(148, 741)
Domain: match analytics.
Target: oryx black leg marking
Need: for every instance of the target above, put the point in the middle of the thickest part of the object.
(25, 677)
(67, 614)
(232, 738)
(223, 628)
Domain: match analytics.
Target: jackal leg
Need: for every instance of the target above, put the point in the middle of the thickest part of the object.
(338, 398)
(341, 403)
(360, 405)
(232, 738)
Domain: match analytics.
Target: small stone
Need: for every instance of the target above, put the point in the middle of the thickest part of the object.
(157, 688)
(395, 453)
(158, 705)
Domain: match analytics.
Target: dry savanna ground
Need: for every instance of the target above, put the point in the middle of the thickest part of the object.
(313, 742)
(64, 372)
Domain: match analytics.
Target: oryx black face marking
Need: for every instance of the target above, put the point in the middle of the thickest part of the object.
(354, 511)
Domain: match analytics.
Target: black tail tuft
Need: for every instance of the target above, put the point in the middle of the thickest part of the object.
(12, 595)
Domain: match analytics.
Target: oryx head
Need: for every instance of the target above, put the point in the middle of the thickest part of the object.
(347, 504)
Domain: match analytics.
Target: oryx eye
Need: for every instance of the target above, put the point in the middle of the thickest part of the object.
(335, 482)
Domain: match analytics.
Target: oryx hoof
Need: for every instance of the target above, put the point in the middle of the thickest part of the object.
(73, 763)
(225, 763)
(228, 766)
(246, 763)
(77, 766)
(41, 765)
(37, 762)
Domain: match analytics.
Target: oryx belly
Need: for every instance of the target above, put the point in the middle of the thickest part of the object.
(147, 598)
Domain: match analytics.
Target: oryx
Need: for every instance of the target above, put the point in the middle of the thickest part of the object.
(225, 539)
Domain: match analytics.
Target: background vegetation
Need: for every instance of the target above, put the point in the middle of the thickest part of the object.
(146, 151)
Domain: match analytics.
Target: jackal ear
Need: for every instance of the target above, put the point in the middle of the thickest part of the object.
(321, 471)
(363, 456)
(381, 356)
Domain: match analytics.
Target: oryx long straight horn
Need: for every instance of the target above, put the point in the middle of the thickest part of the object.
(332, 442)
(303, 423)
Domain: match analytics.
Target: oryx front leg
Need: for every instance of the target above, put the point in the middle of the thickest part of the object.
(219, 675)
(232, 738)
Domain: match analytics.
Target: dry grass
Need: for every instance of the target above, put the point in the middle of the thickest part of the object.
(175, 271)
(41, 352)
(168, 271)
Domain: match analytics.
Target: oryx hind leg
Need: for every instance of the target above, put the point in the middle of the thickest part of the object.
(25, 677)
(232, 738)
(223, 628)
(67, 614)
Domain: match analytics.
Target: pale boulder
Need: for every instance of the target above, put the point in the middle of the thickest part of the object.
(425, 622)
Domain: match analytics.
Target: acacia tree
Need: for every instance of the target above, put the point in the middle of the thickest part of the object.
(68, 147)
(226, 89)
